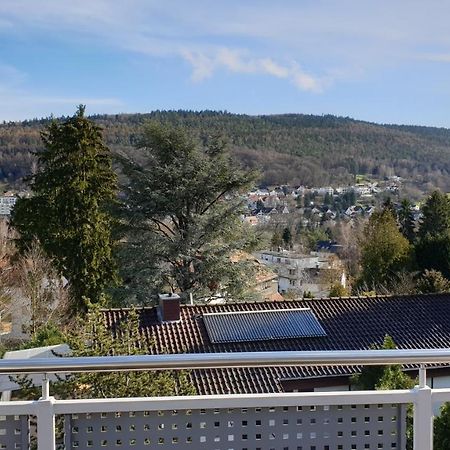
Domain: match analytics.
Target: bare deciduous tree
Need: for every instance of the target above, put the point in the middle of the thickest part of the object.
(37, 293)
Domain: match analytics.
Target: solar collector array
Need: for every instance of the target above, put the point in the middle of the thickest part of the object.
(262, 325)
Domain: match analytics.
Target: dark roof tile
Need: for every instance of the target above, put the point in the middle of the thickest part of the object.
(350, 324)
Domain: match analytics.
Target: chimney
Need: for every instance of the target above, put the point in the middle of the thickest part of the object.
(169, 307)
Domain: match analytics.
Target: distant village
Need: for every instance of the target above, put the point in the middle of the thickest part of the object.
(315, 205)
(293, 270)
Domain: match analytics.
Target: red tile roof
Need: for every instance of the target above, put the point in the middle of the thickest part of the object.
(350, 323)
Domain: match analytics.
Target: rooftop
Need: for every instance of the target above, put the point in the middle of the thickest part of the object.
(354, 323)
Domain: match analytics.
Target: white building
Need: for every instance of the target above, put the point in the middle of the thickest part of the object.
(325, 190)
(6, 205)
(301, 273)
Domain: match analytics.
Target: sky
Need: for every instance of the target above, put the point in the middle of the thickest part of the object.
(386, 61)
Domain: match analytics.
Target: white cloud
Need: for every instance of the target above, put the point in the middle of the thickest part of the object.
(135, 27)
(204, 66)
(273, 68)
(243, 37)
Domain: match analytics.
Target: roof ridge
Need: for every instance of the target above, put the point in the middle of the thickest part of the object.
(425, 294)
(287, 301)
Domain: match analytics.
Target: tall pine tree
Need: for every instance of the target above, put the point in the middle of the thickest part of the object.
(433, 245)
(436, 215)
(406, 220)
(68, 212)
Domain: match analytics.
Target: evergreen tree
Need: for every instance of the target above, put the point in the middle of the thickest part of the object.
(125, 341)
(388, 205)
(441, 434)
(308, 199)
(433, 245)
(72, 189)
(182, 216)
(436, 215)
(406, 220)
(382, 377)
(287, 237)
(328, 199)
(384, 251)
(89, 337)
(348, 199)
(433, 253)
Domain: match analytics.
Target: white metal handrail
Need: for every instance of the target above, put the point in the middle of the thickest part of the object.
(47, 407)
(224, 360)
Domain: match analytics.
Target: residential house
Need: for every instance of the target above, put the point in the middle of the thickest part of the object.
(274, 419)
(252, 201)
(7, 203)
(264, 214)
(354, 323)
(362, 189)
(328, 246)
(330, 215)
(324, 190)
(261, 192)
(300, 191)
(299, 273)
(354, 210)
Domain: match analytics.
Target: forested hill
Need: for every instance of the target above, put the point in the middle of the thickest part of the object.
(289, 148)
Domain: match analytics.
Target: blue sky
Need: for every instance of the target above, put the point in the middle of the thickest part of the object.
(385, 61)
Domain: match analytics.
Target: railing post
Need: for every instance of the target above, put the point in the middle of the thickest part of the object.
(46, 424)
(423, 414)
(45, 387)
(46, 418)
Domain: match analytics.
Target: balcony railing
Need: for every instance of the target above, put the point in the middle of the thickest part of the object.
(308, 421)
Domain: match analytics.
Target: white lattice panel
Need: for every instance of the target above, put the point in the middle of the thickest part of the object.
(14, 432)
(278, 428)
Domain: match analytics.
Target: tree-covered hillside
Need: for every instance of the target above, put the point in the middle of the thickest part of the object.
(290, 148)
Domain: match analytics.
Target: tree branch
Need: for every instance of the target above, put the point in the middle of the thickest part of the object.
(162, 225)
(214, 201)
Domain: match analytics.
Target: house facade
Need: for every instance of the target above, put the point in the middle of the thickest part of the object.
(7, 203)
(299, 273)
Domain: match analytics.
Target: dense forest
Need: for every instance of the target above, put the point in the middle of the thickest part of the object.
(288, 149)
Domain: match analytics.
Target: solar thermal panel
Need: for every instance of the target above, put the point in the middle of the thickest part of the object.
(262, 325)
